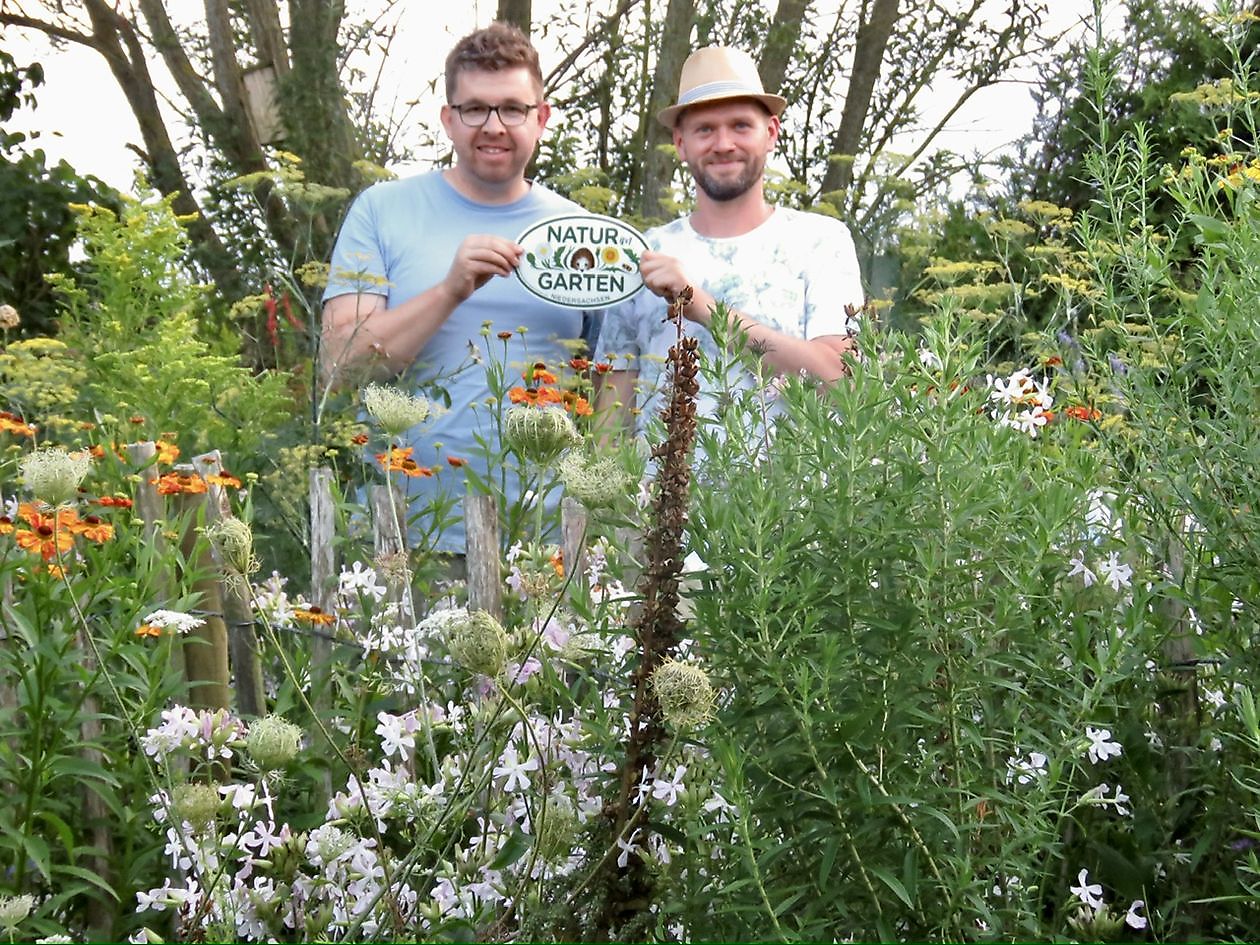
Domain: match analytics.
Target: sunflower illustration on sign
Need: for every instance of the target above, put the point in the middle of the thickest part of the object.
(581, 261)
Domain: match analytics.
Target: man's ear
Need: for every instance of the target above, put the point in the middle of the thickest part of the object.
(447, 117)
(774, 129)
(544, 115)
(678, 144)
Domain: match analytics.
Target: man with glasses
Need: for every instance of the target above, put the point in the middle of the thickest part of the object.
(413, 281)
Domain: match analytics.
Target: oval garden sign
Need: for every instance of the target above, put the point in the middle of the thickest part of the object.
(581, 260)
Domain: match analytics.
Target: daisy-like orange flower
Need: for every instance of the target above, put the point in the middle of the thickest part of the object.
(557, 563)
(137, 420)
(314, 615)
(148, 630)
(579, 364)
(504, 335)
(55, 570)
(398, 459)
(456, 461)
(173, 483)
(11, 423)
(1053, 361)
(576, 404)
(97, 451)
(114, 501)
(359, 439)
(539, 374)
(1083, 413)
(603, 367)
(45, 540)
(94, 529)
(6, 525)
(167, 452)
(224, 478)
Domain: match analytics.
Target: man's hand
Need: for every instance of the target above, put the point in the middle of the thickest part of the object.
(477, 259)
(663, 275)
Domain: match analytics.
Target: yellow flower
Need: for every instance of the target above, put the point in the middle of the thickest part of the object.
(611, 255)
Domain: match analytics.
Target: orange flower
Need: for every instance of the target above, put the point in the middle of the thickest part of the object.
(97, 451)
(398, 459)
(93, 529)
(15, 425)
(539, 374)
(167, 452)
(314, 615)
(577, 405)
(47, 541)
(359, 439)
(579, 364)
(456, 461)
(603, 367)
(1083, 413)
(504, 335)
(35, 516)
(114, 501)
(173, 483)
(55, 570)
(1053, 361)
(6, 525)
(557, 563)
(224, 478)
(148, 630)
(136, 419)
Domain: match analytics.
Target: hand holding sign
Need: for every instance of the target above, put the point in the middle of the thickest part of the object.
(581, 261)
(477, 260)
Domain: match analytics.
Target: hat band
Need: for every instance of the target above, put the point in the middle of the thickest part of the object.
(725, 89)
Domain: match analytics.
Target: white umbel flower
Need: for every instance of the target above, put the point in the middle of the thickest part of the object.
(53, 475)
(394, 410)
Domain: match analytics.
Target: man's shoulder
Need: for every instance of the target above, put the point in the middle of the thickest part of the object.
(812, 220)
(385, 193)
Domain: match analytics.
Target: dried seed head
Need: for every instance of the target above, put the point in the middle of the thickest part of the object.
(539, 433)
(196, 803)
(478, 643)
(53, 475)
(684, 693)
(233, 542)
(595, 481)
(273, 742)
(394, 410)
(9, 317)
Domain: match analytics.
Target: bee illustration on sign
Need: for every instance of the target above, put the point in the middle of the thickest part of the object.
(581, 261)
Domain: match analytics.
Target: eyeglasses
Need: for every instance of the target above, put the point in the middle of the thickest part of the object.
(474, 116)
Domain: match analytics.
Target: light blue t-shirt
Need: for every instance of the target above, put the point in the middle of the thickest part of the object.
(398, 240)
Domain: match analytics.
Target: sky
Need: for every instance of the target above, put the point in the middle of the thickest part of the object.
(81, 115)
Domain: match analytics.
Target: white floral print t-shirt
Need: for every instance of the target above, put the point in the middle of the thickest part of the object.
(795, 273)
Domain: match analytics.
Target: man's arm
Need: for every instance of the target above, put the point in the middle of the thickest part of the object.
(822, 357)
(360, 332)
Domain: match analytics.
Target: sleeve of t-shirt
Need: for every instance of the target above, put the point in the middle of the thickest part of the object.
(832, 281)
(358, 262)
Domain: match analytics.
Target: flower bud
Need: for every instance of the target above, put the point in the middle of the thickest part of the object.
(557, 829)
(539, 433)
(273, 742)
(196, 803)
(13, 910)
(595, 481)
(394, 410)
(53, 475)
(684, 693)
(478, 643)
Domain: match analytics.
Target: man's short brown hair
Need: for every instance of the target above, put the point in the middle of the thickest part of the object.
(498, 46)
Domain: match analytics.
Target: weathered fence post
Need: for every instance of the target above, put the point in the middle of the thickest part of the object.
(238, 612)
(323, 574)
(484, 557)
(573, 518)
(206, 653)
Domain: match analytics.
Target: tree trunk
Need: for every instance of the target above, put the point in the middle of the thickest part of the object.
(517, 12)
(785, 31)
(868, 54)
(658, 167)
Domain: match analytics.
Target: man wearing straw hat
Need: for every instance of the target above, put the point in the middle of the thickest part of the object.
(783, 275)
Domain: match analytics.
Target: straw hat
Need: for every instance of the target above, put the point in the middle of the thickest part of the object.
(717, 73)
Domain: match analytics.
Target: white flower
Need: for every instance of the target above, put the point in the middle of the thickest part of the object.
(929, 359)
(1025, 772)
(668, 790)
(360, 580)
(173, 620)
(627, 847)
(1115, 572)
(515, 770)
(1132, 919)
(1087, 576)
(1087, 892)
(1101, 747)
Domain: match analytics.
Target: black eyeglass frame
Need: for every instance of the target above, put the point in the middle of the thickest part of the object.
(493, 110)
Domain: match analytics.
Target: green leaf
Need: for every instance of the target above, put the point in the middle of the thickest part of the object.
(893, 883)
(513, 850)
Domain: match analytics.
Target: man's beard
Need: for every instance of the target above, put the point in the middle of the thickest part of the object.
(724, 190)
